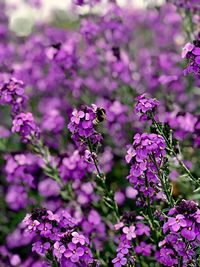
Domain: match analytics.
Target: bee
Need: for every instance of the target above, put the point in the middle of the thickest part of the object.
(116, 52)
(175, 190)
(57, 46)
(100, 115)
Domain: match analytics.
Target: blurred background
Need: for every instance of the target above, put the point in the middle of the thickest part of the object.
(24, 14)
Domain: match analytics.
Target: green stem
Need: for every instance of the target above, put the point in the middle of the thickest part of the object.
(180, 262)
(109, 196)
(164, 183)
(55, 264)
(43, 152)
(171, 150)
(50, 169)
(188, 24)
(150, 214)
(50, 258)
(139, 260)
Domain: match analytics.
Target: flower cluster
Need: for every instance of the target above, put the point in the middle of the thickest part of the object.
(146, 107)
(130, 233)
(193, 5)
(182, 123)
(192, 53)
(53, 121)
(10, 259)
(96, 57)
(74, 167)
(93, 223)
(12, 93)
(122, 252)
(182, 236)
(145, 157)
(12, 197)
(20, 170)
(64, 55)
(25, 125)
(57, 235)
(82, 125)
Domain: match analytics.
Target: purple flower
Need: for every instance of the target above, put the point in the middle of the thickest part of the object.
(12, 197)
(119, 261)
(12, 93)
(87, 257)
(30, 223)
(25, 125)
(142, 229)
(192, 5)
(130, 154)
(55, 231)
(145, 157)
(74, 167)
(52, 121)
(144, 106)
(192, 53)
(49, 188)
(53, 217)
(77, 116)
(186, 207)
(144, 249)
(68, 220)
(73, 252)
(58, 250)
(82, 126)
(189, 232)
(167, 257)
(187, 48)
(130, 232)
(118, 225)
(176, 242)
(197, 216)
(79, 2)
(15, 260)
(33, 226)
(40, 247)
(124, 245)
(181, 233)
(45, 229)
(77, 238)
(177, 222)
